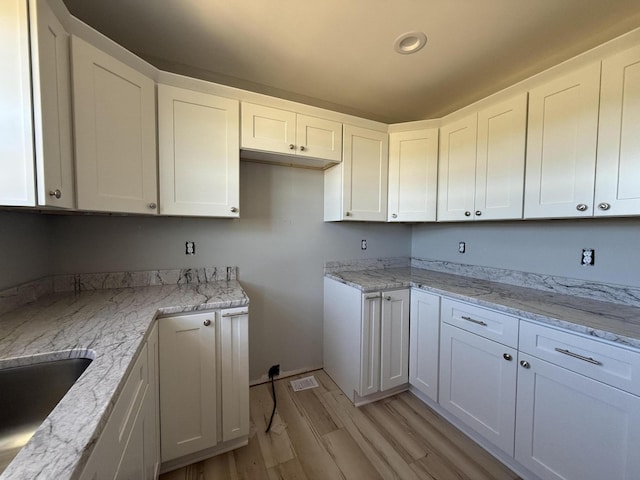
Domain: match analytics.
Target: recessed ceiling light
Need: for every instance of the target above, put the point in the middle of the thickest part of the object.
(410, 42)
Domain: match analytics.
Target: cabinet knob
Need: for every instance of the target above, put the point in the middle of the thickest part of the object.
(152, 206)
(347, 214)
(581, 207)
(388, 298)
(302, 148)
(55, 193)
(507, 356)
(604, 206)
(292, 146)
(207, 322)
(394, 215)
(525, 364)
(234, 209)
(478, 213)
(467, 213)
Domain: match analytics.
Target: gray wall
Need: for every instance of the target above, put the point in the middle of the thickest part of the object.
(551, 247)
(24, 247)
(279, 244)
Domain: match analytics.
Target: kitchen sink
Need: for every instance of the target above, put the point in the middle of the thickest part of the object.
(27, 395)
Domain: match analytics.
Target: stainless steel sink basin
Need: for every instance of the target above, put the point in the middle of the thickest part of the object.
(27, 395)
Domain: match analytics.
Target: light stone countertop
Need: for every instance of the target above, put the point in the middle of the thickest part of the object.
(109, 326)
(609, 321)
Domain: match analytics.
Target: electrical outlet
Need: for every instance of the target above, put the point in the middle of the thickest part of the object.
(588, 257)
(363, 244)
(190, 248)
(462, 247)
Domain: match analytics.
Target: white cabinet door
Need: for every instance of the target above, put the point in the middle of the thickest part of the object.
(51, 107)
(424, 348)
(413, 176)
(318, 138)
(234, 353)
(115, 133)
(394, 339)
(199, 153)
(457, 169)
(618, 168)
(478, 384)
(17, 182)
(370, 345)
(188, 400)
(365, 171)
(269, 129)
(152, 410)
(500, 160)
(561, 145)
(570, 426)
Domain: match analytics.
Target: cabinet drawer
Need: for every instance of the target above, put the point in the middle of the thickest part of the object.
(615, 366)
(481, 321)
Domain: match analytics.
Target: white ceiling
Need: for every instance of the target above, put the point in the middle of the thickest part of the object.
(338, 54)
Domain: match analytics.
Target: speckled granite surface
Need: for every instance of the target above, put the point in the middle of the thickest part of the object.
(615, 322)
(109, 326)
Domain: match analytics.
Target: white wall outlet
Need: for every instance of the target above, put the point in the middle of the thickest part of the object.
(363, 244)
(588, 257)
(462, 247)
(190, 248)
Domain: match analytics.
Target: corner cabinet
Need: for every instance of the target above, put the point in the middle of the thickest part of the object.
(413, 176)
(562, 137)
(128, 447)
(481, 164)
(366, 340)
(316, 142)
(356, 189)
(204, 385)
(424, 343)
(115, 133)
(199, 157)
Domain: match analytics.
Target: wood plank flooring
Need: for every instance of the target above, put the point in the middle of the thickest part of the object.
(318, 434)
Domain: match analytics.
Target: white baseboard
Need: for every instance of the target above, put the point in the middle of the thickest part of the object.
(284, 374)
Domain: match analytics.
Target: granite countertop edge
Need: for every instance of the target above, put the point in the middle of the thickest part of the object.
(110, 327)
(616, 323)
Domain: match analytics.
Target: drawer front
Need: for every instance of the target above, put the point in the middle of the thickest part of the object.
(487, 323)
(615, 366)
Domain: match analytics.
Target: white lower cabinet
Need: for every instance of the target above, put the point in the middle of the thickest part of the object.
(424, 342)
(478, 384)
(204, 387)
(128, 445)
(366, 339)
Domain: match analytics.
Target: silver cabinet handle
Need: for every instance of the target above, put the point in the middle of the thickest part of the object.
(507, 356)
(581, 207)
(394, 215)
(152, 206)
(604, 206)
(55, 193)
(467, 213)
(372, 297)
(207, 322)
(578, 356)
(473, 320)
(235, 314)
(292, 146)
(234, 209)
(302, 149)
(525, 364)
(478, 213)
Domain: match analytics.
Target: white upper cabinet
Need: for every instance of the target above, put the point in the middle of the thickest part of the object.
(16, 129)
(115, 133)
(413, 176)
(51, 107)
(199, 156)
(618, 169)
(356, 189)
(481, 165)
(561, 145)
(315, 142)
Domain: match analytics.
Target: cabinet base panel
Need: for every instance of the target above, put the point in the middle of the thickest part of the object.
(494, 451)
(359, 401)
(203, 454)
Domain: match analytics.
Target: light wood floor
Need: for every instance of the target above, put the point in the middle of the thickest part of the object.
(318, 434)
